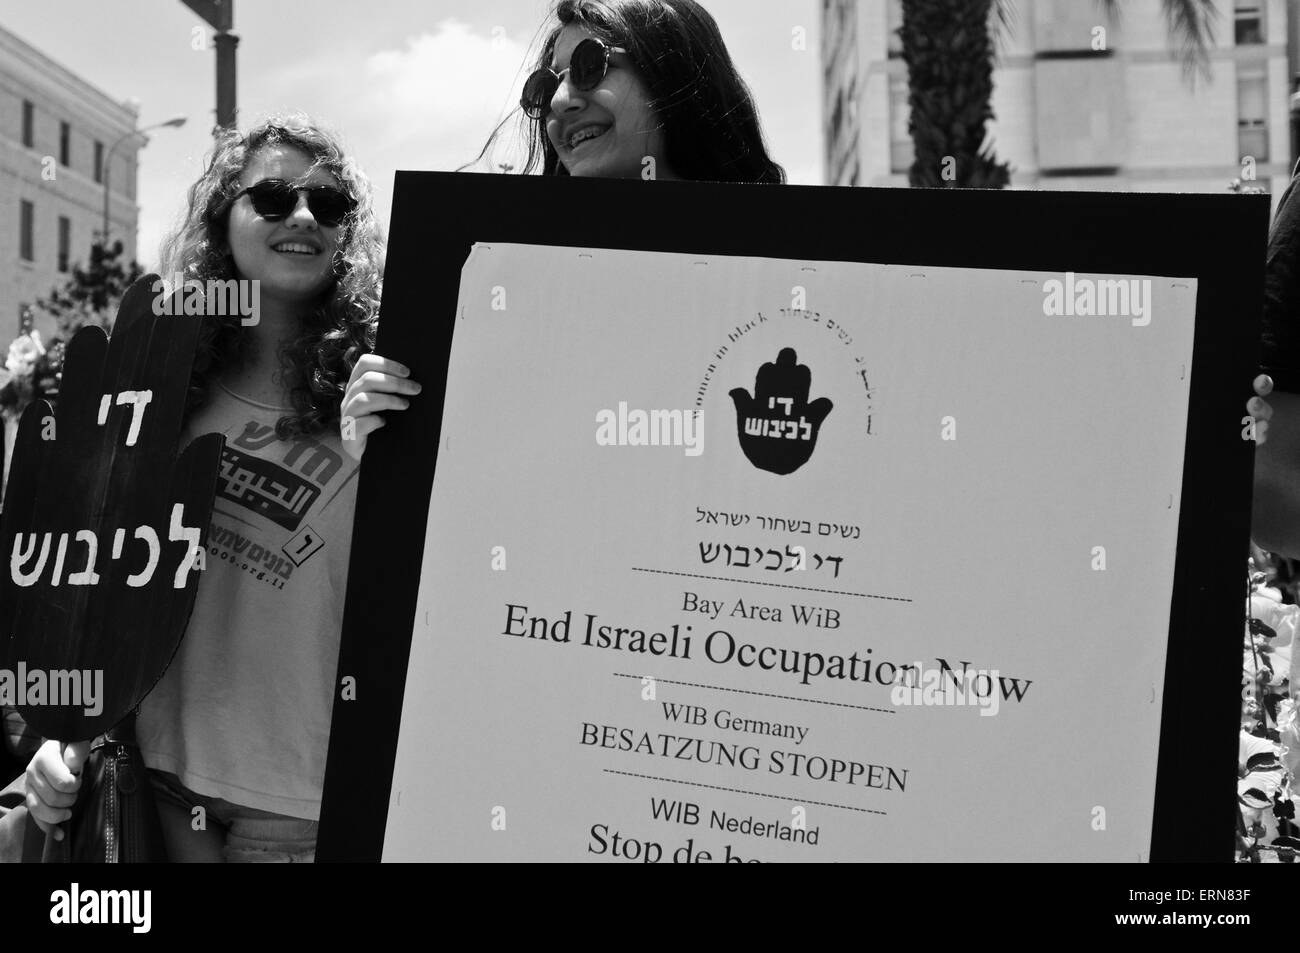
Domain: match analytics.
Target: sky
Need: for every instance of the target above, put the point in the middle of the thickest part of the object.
(409, 84)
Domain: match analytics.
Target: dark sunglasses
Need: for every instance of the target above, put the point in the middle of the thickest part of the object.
(274, 199)
(587, 68)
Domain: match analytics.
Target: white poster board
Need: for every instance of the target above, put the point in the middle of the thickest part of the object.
(992, 496)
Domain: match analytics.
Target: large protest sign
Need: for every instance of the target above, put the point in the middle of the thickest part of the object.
(103, 524)
(792, 546)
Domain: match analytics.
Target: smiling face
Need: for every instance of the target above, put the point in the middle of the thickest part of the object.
(605, 131)
(292, 257)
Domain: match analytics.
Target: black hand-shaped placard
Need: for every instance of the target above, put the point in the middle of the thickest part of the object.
(103, 525)
(778, 427)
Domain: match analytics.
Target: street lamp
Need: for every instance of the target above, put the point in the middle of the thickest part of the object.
(220, 15)
(175, 123)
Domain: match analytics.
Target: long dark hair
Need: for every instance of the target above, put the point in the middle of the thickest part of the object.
(711, 128)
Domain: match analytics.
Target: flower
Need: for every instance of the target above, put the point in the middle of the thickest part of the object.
(24, 352)
(35, 373)
(1272, 653)
(1269, 747)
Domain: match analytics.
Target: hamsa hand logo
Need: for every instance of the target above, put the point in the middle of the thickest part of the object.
(778, 426)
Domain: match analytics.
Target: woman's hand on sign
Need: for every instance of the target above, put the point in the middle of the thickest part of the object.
(377, 384)
(53, 779)
(1260, 409)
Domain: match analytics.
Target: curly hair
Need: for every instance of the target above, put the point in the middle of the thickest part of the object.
(338, 329)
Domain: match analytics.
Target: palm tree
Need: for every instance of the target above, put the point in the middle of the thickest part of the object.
(949, 47)
(949, 53)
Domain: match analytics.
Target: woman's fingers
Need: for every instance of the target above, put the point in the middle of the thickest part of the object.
(368, 425)
(75, 755)
(1259, 408)
(355, 432)
(382, 383)
(372, 402)
(53, 779)
(378, 366)
(373, 362)
(49, 795)
(376, 385)
(47, 765)
(47, 818)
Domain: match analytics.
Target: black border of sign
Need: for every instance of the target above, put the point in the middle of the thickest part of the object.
(1219, 239)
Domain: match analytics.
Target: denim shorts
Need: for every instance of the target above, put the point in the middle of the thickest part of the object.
(251, 836)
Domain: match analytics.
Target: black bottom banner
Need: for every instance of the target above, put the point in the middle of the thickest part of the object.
(331, 903)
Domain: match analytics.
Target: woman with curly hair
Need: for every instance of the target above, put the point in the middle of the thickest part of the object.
(239, 725)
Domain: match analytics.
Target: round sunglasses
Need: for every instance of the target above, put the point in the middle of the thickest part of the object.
(274, 199)
(587, 68)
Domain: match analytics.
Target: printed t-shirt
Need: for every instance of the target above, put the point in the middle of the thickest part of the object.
(243, 712)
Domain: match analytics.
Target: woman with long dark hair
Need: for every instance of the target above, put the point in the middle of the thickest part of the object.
(621, 89)
(653, 73)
